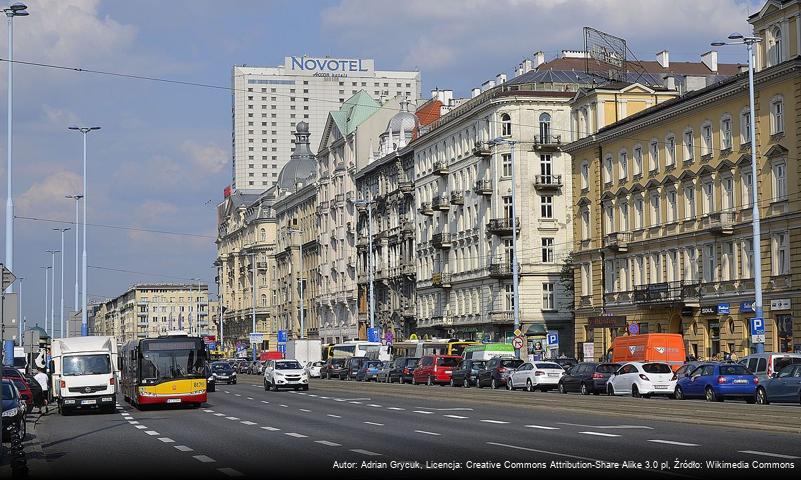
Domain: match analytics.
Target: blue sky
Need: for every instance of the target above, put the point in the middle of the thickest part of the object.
(162, 158)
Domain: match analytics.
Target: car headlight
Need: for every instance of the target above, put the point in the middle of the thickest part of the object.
(12, 412)
(233, 374)
(279, 374)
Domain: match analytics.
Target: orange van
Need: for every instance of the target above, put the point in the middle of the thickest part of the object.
(650, 347)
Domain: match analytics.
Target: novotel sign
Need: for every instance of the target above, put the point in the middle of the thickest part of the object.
(340, 67)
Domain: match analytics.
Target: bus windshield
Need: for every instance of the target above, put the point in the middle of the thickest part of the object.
(86, 365)
(170, 361)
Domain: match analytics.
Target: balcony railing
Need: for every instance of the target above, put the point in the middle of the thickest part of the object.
(618, 241)
(425, 209)
(441, 280)
(501, 269)
(547, 182)
(719, 222)
(481, 149)
(339, 198)
(444, 320)
(502, 226)
(440, 168)
(457, 198)
(547, 142)
(483, 187)
(442, 240)
(407, 269)
(502, 316)
(667, 292)
(441, 203)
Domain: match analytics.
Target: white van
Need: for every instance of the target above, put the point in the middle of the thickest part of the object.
(84, 373)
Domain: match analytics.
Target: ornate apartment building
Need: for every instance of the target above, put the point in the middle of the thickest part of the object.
(663, 234)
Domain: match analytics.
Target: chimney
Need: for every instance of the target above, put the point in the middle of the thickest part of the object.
(670, 83)
(663, 58)
(487, 85)
(475, 92)
(500, 78)
(710, 59)
(539, 58)
(527, 65)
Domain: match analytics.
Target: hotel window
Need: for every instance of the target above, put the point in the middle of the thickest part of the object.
(624, 216)
(653, 157)
(608, 169)
(777, 116)
(689, 202)
(671, 206)
(586, 279)
(548, 302)
(727, 195)
(709, 262)
(506, 125)
(670, 150)
(637, 153)
(747, 184)
(689, 146)
(709, 197)
(585, 175)
(706, 139)
(547, 250)
(585, 223)
(745, 127)
(655, 219)
(638, 213)
(727, 266)
(623, 165)
(781, 254)
(725, 132)
(506, 162)
(747, 258)
(546, 206)
(609, 218)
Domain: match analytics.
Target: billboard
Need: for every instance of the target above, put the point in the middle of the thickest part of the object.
(606, 49)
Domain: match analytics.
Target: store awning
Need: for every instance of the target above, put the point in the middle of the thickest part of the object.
(537, 330)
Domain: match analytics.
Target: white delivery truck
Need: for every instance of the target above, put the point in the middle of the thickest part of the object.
(84, 373)
(304, 351)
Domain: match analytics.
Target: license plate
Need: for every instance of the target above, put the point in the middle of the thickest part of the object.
(173, 400)
(448, 372)
(741, 381)
(554, 375)
(661, 387)
(88, 402)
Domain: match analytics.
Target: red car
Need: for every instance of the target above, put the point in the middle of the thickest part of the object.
(435, 369)
(22, 385)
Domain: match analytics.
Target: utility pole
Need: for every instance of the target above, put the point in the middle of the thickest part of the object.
(53, 292)
(62, 230)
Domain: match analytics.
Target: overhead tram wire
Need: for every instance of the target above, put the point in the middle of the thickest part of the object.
(118, 227)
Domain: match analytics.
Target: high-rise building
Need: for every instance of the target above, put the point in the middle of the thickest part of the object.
(269, 101)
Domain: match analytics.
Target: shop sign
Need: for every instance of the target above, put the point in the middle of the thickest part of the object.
(746, 307)
(709, 310)
(607, 321)
(780, 304)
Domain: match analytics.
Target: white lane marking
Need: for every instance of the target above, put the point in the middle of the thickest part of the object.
(227, 391)
(219, 414)
(304, 410)
(374, 405)
(152, 432)
(247, 422)
(458, 417)
(285, 406)
(264, 401)
(208, 411)
(296, 435)
(203, 458)
(600, 434)
(140, 427)
(232, 418)
(681, 444)
(271, 429)
(230, 472)
(326, 442)
(542, 427)
(183, 448)
(455, 409)
(312, 395)
(506, 445)
(301, 393)
(133, 422)
(356, 403)
(166, 440)
(768, 454)
(365, 452)
(333, 416)
(396, 408)
(237, 395)
(616, 427)
(351, 399)
(423, 412)
(373, 423)
(325, 398)
(501, 422)
(250, 398)
(427, 433)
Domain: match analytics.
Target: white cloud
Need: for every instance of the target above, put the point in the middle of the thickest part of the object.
(209, 158)
(45, 198)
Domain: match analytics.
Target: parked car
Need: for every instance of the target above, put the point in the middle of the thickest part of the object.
(406, 370)
(642, 380)
(435, 369)
(496, 371)
(242, 366)
(383, 374)
(36, 390)
(287, 373)
(531, 376)
(587, 378)
(466, 373)
(351, 368)
(25, 392)
(369, 370)
(255, 368)
(717, 381)
(685, 369)
(223, 373)
(764, 365)
(13, 411)
(783, 387)
(564, 362)
(314, 369)
(331, 368)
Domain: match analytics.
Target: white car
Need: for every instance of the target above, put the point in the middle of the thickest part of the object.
(531, 376)
(285, 373)
(314, 369)
(642, 380)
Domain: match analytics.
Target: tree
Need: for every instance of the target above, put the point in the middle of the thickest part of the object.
(566, 278)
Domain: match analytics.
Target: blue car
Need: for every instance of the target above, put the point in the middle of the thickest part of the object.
(369, 371)
(718, 381)
(783, 387)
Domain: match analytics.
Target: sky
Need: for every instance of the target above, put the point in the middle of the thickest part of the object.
(162, 158)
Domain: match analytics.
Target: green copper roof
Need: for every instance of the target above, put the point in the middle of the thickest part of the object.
(354, 112)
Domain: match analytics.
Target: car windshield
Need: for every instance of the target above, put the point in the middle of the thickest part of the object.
(338, 362)
(410, 362)
(8, 392)
(479, 365)
(221, 367)
(74, 365)
(734, 370)
(657, 368)
(287, 366)
(447, 362)
(608, 368)
(548, 365)
(511, 363)
(373, 364)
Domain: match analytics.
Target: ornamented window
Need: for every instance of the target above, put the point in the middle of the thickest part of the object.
(777, 116)
(725, 132)
(506, 125)
(545, 128)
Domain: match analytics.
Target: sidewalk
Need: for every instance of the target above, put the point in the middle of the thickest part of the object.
(34, 455)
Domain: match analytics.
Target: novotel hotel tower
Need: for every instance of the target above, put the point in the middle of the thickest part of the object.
(269, 101)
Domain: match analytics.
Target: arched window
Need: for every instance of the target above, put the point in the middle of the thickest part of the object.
(263, 235)
(775, 53)
(506, 125)
(263, 300)
(545, 128)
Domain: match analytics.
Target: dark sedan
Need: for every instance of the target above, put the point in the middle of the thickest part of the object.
(466, 374)
(401, 369)
(369, 371)
(331, 368)
(13, 411)
(496, 372)
(351, 368)
(223, 373)
(587, 378)
(784, 386)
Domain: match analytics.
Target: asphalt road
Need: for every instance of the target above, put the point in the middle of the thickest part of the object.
(335, 426)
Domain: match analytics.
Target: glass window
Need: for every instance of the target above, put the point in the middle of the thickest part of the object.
(546, 206)
(725, 133)
(780, 181)
(585, 175)
(547, 250)
(670, 150)
(545, 128)
(506, 125)
(706, 139)
(548, 296)
(637, 160)
(653, 157)
(623, 165)
(506, 162)
(777, 117)
(689, 146)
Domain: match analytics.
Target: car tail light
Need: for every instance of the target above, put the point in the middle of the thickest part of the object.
(722, 379)
(642, 375)
(756, 380)
(405, 371)
(63, 384)
(501, 369)
(539, 373)
(674, 378)
(597, 375)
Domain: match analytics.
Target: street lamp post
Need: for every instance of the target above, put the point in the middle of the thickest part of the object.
(749, 42)
(15, 10)
(53, 292)
(77, 197)
(371, 299)
(62, 230)
(21, 313)
(515, 272)
(302, 304)
(84, 325)
(253, 294)
(47, 296)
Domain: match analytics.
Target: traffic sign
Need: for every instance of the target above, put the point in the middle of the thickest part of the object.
(282, 336)
(634, 328)
(517, 342)
(518, 332)
(372, 335)
(8, 278)
(553, 338)
(256, 337)
(757, 330)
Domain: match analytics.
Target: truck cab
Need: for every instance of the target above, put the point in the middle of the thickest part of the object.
(84, 373)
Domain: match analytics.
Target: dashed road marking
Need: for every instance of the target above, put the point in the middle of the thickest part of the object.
(133, 422)
(680, 444)
(247, 422)
(373, 423)
(184, 448)
(423, 412)
(264, 401)
(232, 418)
(312, 395)
(296, 435)
(516, 447)
(458, 417)
(768, 454)
(237, 395)
(600, 434)
(427, 433)
(325, 398)
(219, 414)
(152, 432)
(374, 405)
(356, 403)
(365, 452)
(333, 416)
(230, 472)
(208, 411)
(500, 422)
(285, 406)
(271, 429)
(203, 458)
(250, 398)
(542, 427)
(326, 442)
(304, 410)
(166, 440)
(396, 408)
(616, 427)
(140, 427)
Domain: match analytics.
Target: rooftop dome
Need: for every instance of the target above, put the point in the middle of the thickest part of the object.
(302, 165)
(403, 120)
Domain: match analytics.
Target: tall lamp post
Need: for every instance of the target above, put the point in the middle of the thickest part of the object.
(302, 304)
(368, 203)
(77, 197)
(47, 296)
(53, 292)
(15, 10)
(62, 230)
(749, 42)
(21, 313)
(84, 325)
(515, 272)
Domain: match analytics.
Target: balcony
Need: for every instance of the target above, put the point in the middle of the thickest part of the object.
(457, 198)
(502, 316)
(441, 203)
(501, 269)
(440, 168)
(444, 320)
(425, 209)
(667, 293)
(481, 149)
(547, 143)
(618, 241)
(502, 226)
(483, 187)
(719, 222)
(339, 199)
(547, 182)
(406, 186)
(407, 268)
(441, 280)
(261, 265)
(442, 240)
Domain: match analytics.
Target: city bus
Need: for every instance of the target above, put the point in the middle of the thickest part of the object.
(170, 369)
(360, 348)
(437, 346)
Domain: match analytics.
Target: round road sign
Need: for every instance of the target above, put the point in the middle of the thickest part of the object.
(517, 343)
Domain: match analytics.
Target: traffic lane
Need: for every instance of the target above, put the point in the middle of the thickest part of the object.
(661, 435)
(89, 444)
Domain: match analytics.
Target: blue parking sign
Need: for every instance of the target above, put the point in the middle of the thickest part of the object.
(553, 338)
(372, 335)
(757, 326)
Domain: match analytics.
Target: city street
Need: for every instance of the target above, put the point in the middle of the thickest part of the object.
(244, 430)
